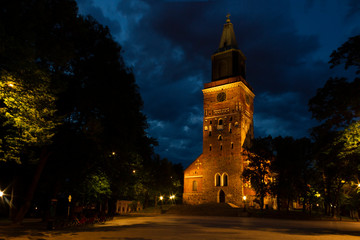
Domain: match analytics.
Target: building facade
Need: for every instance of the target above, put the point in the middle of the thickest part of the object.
(215, 176)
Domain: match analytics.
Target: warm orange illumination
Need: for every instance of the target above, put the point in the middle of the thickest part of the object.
(161, 198)
(358, 185)
(134, 171)
(1, 193)
(172, 197)
(244, 198)
(113, 153)
(11, 85)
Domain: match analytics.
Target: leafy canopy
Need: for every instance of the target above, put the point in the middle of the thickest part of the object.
(26, 114)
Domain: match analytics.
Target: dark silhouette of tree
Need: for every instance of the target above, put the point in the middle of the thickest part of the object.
(260, 156)
(293, 170)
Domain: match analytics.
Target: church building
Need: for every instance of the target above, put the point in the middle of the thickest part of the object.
(215, 176)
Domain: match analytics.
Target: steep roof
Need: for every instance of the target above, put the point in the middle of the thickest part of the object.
(228, 40)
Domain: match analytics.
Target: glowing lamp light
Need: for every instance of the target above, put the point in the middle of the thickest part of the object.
(244, 198)
(1, 193)
(134, 171)
(161, 198)
(358, 185)
(11, 85)
(172, 197)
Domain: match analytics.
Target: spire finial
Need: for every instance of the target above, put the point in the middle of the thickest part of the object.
(228, 18)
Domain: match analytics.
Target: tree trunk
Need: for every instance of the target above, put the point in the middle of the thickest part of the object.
(278, 202)
(304, 203)
(31, 190)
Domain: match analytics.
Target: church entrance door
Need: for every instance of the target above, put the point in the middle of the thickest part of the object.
(221, 196)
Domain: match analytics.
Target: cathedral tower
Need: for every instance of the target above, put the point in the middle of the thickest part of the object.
(215, 176)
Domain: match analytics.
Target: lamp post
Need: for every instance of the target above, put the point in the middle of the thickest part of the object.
(69, 198)
(244, 199)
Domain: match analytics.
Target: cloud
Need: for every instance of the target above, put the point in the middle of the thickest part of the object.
(169, 44)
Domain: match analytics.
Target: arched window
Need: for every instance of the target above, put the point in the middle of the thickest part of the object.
(210, 147)
(230, 130)
(220, 146)
(210, 129)
(224, 179)
(195, 185)
(220, 125)
(219, 137)
(232, 145)
(217, 179)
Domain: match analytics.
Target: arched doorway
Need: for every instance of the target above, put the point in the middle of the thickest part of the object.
(221, 196)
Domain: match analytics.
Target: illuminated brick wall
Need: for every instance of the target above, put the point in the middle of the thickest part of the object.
(227, 126)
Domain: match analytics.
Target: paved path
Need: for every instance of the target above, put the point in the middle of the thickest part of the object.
(196, 227)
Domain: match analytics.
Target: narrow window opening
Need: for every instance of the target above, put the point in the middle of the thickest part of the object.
(217, 180)
(225, 179)
(195, 185)
(220, 125)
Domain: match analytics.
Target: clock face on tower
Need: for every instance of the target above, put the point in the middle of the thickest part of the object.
(221, 97)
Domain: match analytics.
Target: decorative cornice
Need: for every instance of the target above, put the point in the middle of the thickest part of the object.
(228, 86)
(199, 176)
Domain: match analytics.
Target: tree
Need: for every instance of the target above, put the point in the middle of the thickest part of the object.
(27, 114)
(94, 94)
(292, 167)
(257, 171)
(337, 107)
(350, 141)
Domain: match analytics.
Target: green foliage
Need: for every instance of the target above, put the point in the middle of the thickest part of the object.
(27, 114)
(95, 187)
(350, 141)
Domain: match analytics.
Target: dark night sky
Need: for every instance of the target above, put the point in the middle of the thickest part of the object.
(169, 44)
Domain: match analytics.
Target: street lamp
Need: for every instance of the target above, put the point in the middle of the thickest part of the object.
(244, 199)
(172, 198)
(1, 193)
